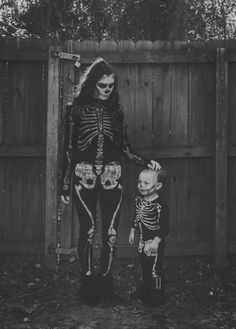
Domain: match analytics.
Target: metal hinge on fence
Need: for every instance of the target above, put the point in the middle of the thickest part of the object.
(67, 56)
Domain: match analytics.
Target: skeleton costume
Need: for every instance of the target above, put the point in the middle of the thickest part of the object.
(151, 220)
(95, 143)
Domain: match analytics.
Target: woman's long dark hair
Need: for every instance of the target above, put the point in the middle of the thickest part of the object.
(88, 83)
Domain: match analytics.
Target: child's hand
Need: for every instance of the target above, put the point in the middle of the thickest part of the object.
(131, 236)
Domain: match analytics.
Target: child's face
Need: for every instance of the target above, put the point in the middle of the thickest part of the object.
(147, 183)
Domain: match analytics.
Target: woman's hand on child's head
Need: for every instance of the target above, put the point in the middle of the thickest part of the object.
(154, 165)
(65, 199)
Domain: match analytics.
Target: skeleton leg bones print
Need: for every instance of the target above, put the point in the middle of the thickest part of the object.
(88, 186)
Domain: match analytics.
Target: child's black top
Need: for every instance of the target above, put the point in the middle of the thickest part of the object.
(151, 218)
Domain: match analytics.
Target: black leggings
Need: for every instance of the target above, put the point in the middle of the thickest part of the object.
(91, 182)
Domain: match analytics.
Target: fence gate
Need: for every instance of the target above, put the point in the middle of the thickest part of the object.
(175, 104)
(61, 82)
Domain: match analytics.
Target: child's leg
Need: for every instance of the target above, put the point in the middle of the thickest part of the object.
(85, 200)
(158, 273)
(152, 291)
(144, 289)
(158, 279)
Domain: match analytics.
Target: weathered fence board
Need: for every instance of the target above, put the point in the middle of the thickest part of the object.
(231, 191)
(127, 88)
(22, 155)
(202, 104)
(221, 157)
(161, 105)
(67, 76)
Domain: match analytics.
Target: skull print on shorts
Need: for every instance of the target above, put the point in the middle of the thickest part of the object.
(85, 172)
(111, 174)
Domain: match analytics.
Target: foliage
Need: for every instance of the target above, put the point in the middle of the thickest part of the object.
(123, 19)
(10, 23)
(213, 19)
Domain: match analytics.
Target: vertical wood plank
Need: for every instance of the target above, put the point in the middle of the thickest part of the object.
(201, 200)
(201, 171)
(67, 95)
(126, 89)
(32, 201)
(178, 199)
(14, 115)
(161, 105)
(179, 137)
(143, 107)
(3, 87)
(202, 104)
(2, 199)
(220, 249)
(179, 105)
(231, 197)
(231, 192)
(232, 104)
(35, 104)
(13, 222)
(52, 160)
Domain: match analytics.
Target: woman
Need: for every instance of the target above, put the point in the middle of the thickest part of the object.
(95, 142)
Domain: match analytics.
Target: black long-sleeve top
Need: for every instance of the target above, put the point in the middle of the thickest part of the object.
(94, 135)
(151, 218)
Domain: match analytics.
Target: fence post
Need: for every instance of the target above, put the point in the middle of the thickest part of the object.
(52, 159)
(220, 247)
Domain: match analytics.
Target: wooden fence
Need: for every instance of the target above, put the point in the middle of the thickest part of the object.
(179, 103)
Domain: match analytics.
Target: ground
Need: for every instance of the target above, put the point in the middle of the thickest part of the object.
(200, 296)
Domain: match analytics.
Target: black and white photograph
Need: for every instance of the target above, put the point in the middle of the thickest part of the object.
(117, 164)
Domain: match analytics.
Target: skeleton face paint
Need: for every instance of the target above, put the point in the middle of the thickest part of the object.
(147, 184)
(104, 87)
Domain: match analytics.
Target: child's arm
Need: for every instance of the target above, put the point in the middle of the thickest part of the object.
(164, 227)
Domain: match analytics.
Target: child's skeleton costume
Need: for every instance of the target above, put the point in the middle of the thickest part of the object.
(95, 142)
(152, 220)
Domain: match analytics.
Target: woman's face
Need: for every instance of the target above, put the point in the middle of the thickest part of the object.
(104, 87)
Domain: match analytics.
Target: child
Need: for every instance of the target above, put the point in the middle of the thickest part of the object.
(151, 220)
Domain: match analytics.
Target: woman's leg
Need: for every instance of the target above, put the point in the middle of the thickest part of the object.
(85, 199)
(110, 201)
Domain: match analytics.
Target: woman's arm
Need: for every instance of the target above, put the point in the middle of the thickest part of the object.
(69, 141)
(133, 155)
